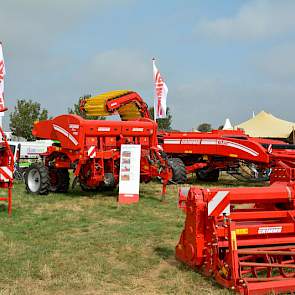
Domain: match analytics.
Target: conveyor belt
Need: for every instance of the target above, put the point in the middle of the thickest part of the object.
(101, 105)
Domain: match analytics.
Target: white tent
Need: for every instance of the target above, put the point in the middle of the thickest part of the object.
(227, 125)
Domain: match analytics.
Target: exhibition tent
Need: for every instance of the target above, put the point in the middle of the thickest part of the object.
(268, 126)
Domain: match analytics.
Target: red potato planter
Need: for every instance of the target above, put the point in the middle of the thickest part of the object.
(203, 153)
(91, 148)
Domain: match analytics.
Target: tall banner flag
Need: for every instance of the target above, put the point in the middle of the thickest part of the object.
(2, 74)
(161, 91)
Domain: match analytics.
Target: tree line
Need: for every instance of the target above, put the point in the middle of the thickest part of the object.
(26, 112)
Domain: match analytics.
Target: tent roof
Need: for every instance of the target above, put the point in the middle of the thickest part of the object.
(266, 125)
(227, 125)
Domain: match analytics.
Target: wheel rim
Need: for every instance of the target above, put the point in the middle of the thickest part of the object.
(34, 180)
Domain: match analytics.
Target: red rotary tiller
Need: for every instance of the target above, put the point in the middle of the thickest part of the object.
(243, 237)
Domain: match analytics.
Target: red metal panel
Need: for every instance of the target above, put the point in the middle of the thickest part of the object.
(216, 143)
(144, 141)
(280, 286)
(110, 141)
(91, 141)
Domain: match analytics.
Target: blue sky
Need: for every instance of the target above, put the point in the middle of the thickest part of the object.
(219, 58)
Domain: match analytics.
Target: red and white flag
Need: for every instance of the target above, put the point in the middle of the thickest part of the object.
(161, 91)
(2, 74)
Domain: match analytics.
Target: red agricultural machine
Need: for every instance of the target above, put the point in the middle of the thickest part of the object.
(163, 153)
(6, 170)
(243, 237)
(91, 148)
(203, 153)
(207, 153)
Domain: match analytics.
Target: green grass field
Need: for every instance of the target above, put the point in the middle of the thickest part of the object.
(83, 243)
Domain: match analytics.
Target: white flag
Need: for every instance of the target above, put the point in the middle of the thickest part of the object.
(161, 91)
(2, 74)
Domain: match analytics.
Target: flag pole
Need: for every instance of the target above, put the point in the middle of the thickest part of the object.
(2, 113)
(153, 60)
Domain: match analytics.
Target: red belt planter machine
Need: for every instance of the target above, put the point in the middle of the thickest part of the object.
(91, 148)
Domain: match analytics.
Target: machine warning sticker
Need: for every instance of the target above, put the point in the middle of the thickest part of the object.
(270, 230)
(242, 231)
(233, 240)
(104, 129)
(74, 126)
(137, 129)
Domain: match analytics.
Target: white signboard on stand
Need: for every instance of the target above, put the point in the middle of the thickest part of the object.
(129, 173)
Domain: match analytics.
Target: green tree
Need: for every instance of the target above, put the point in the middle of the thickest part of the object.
(165, 123)
(22, 119)
(204, 127)
(76, 110)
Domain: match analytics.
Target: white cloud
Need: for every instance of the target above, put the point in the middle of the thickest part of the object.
(257, 19)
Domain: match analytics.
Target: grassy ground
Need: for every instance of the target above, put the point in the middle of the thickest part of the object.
(82, 243)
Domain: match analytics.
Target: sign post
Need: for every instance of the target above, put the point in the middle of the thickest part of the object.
(129, 173)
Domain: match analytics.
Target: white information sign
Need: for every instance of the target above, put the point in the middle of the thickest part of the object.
(129, 173)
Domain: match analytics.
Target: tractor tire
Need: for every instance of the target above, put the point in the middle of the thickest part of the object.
(207, 176)
(178, 170)
(59, 180)
(37, 179)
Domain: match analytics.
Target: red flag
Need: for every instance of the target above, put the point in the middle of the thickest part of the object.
(161, 91)
(2, 74)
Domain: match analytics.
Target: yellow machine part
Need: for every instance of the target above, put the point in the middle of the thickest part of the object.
(96, 105)
(129, 112)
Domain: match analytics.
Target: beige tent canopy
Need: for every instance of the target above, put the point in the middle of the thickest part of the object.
(268, 126)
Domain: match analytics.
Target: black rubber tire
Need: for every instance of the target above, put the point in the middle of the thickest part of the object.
(208, 176)
(19, 174)
(65, 176)
(109, 181)
(63, 180)
(86, 188)
(42, 185)
(179, 170)
(110, 185)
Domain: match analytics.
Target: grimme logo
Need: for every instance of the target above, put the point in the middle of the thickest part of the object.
(270, 230)
(190, 141)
